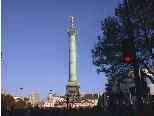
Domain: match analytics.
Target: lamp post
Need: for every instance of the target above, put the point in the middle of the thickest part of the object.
(50, 91)
(67, 102)
(21, 89)
(50, 100)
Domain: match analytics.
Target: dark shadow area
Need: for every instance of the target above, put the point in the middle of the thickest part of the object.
(76, 112)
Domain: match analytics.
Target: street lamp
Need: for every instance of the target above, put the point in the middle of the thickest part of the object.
(21, 89)
(50, 91)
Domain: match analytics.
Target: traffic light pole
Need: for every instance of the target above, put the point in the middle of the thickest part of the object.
(139, 86)
(138, 79)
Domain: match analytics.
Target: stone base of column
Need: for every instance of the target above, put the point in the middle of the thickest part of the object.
(72, 95)
(72, 89)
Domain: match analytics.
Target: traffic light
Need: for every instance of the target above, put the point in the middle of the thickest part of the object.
(128, 51)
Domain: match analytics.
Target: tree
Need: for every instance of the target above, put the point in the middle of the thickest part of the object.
(134, 22)
(7, 101)
(20, 104)
(10, 104)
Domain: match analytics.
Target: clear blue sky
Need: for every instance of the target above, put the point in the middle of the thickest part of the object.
(35, 43)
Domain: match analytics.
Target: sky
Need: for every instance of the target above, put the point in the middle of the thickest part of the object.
(35, 44)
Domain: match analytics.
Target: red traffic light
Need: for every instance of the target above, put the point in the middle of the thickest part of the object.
(128, 57)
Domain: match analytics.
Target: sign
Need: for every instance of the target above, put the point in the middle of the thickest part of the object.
(151, 86)
(152, 50)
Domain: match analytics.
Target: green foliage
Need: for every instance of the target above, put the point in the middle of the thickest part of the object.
(107, 47)
(9, 103)
(134, 21)
(20, 104)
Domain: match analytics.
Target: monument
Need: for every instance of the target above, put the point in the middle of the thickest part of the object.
(72, 88)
